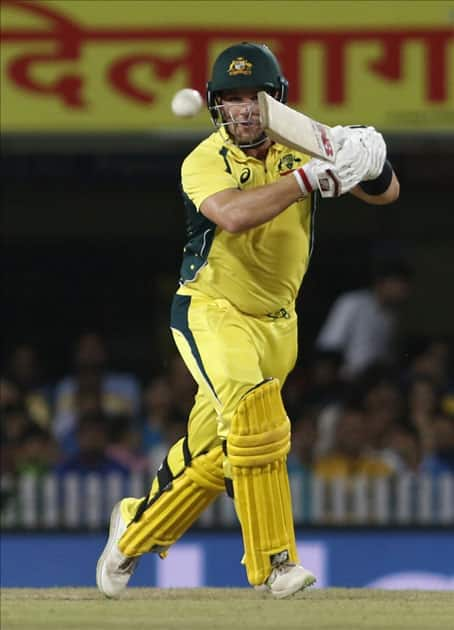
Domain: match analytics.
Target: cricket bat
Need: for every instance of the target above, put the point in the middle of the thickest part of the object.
(296, 130)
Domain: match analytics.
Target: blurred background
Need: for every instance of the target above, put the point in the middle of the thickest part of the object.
(92, 390)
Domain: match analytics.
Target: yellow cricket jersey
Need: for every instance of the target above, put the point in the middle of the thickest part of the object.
(260, 270)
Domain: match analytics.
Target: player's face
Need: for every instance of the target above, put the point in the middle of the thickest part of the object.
(240, 108)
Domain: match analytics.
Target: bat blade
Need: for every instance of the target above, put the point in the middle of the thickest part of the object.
(296, 130)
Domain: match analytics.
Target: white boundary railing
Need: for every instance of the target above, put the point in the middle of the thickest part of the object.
(74, 502)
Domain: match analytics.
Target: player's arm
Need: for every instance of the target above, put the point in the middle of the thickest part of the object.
(236, 210)
(381, 195)
(214, 191)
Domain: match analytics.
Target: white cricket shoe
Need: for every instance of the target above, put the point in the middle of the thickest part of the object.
(286, 580)
(114, 569)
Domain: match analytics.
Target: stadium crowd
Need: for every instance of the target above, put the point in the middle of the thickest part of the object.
(388, 418)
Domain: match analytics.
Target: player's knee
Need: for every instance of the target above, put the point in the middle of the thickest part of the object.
(260, 430)
(206, 470)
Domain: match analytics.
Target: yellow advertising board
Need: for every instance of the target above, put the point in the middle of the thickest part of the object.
(114, 65)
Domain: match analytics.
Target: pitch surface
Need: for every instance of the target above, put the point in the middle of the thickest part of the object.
(225, 609)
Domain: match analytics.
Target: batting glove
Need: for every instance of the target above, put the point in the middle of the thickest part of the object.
(341, 133)
(372, 139)
(377, 152)
(318, 175)
(353, 162)
(362, 151)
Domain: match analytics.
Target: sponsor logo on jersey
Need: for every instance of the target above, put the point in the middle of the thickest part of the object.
(245, 175)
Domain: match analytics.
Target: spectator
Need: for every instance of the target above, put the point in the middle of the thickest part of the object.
(304, 438)
(325, 386)
(403, 444)
(93, 384)
(15, 421)
(423, 401)
(164, 420)
(362, 324)
(383, 405)
(93, 437)
(441, 459)
(37, 452)
(317, 386)
(167, 401)
(10, 396)
(348, 457)
(325, 392)
(301, 459)
(431, 359)
(125, 446)
(183, 388)
(25, 371)
(157, 404)
(447, 402)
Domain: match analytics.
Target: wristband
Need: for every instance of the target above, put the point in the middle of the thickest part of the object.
(303, 181)
(381, 183)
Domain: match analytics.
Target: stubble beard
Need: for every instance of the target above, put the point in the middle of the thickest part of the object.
(247, 135)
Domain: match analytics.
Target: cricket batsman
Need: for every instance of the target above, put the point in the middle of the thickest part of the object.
(250, 207)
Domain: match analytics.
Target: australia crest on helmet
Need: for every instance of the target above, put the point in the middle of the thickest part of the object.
(240, 65)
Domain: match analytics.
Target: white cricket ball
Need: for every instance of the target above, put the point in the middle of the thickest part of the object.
(187, 103)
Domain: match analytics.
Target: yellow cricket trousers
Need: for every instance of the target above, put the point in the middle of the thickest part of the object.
(227, 353)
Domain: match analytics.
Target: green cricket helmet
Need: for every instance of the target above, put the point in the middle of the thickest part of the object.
(245, 65)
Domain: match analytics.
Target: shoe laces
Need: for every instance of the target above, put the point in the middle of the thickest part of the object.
(280, 569)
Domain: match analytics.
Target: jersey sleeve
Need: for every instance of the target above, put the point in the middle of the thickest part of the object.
(205, 172)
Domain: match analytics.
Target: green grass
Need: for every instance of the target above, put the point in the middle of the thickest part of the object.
(225, 609)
